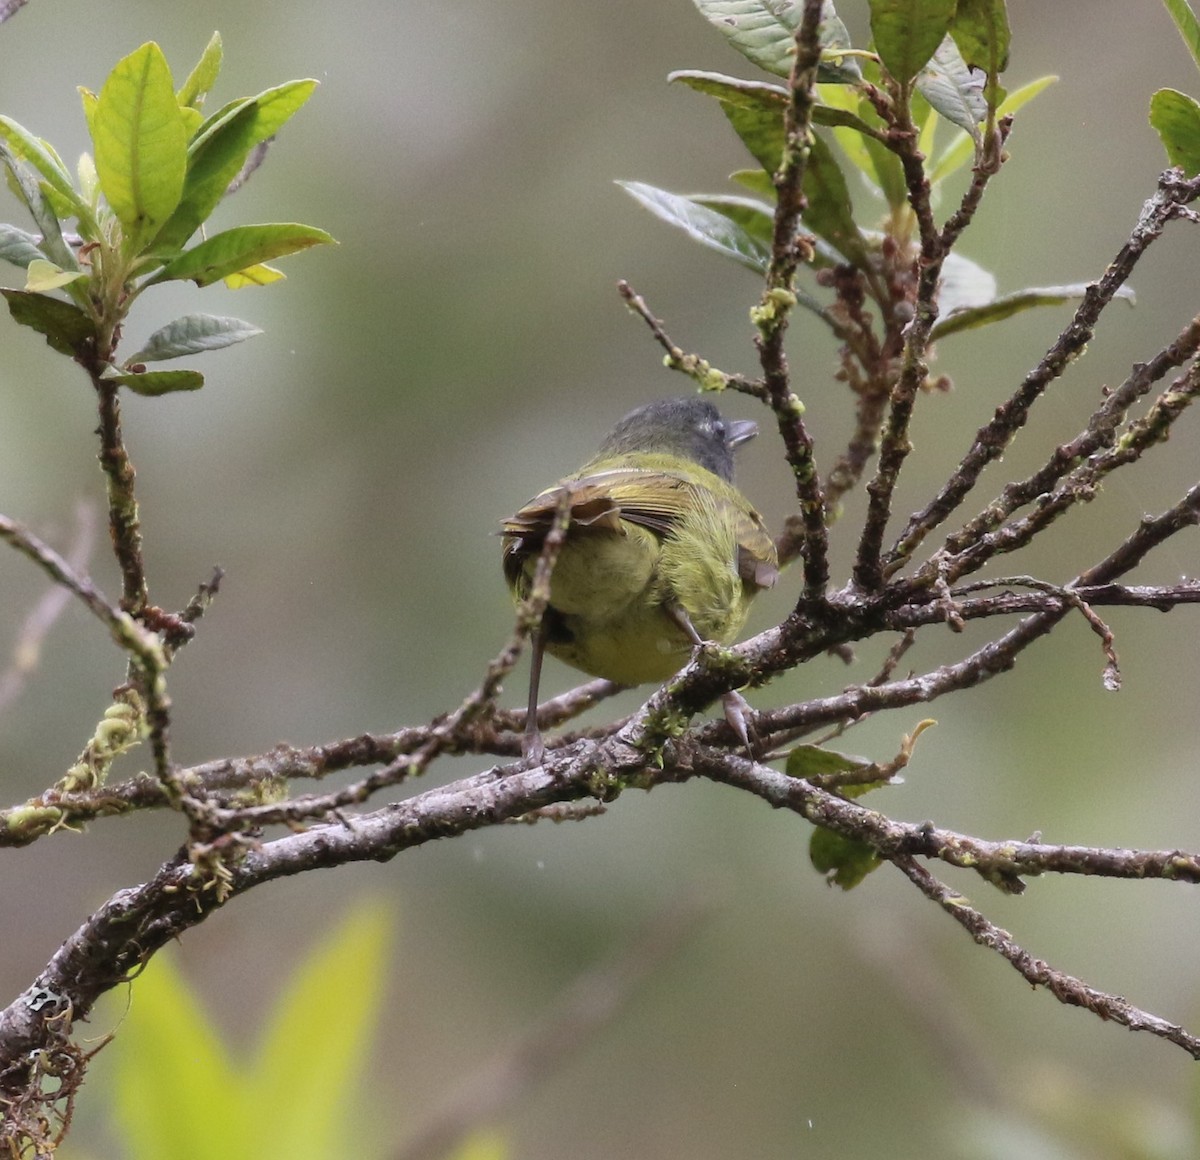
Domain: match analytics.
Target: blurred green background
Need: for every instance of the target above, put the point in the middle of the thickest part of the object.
(462, 348)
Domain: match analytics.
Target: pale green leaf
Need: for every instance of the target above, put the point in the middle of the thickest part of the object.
(202, 78)
(140, 143)
(764, 31)
(192, 334)
(704, 225)
(236, 249)
(908, 32)
(1176, 118)
(43, 276)
(1009, 304)
(1189, 27)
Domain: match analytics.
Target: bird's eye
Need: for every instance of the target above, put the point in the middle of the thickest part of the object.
(717, 428)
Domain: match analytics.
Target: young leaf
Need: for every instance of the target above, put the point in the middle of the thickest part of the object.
(764, 31)
(18, 247)
(192, 334)
(829, 214)
(961, 150)
(140, 143)
(981, 31)
(1009, 304)
(27, 147)
(64, 326)
(953, 89)
(219, 151)
(706, 226)
(153, 383)
(908, 32)
(1189, 27)
(202, 78)
(235, 249)
(43, 276)
(1176, 118)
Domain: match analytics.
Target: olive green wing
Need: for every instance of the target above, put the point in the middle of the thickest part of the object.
(653, 499)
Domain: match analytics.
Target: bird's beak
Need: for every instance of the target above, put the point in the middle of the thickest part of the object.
(741, 431)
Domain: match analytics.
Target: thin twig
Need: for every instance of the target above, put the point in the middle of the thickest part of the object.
(995, 436)
(1065, 988)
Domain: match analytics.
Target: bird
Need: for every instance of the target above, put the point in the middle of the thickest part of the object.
(661, 554)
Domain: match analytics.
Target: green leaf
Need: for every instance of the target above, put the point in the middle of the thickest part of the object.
(815, 760)
(845, 862)
(64, 326)
(27, 147)
(153, 383)
(908, 32)
(220, 150)
(962, 148)
(140, 143)
(234, 250)
(1176, 118)
(953, 89)
(1009, 304)
(704, 225)
(309, 1068)
(202, 78)
(764, 31)
(1189, 27)
(829, 214)
(981, 31)
(192, 334)
(177, 1092)
(18, 247)
(755, 110)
